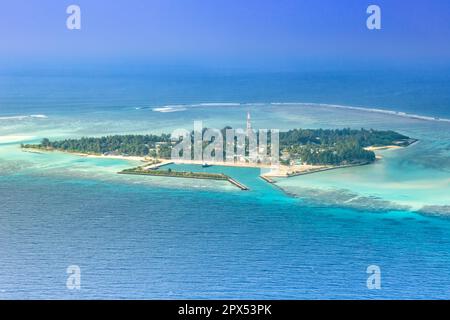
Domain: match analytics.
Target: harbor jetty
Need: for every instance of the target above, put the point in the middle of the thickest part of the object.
(267, 179)
(153, 171)
(157, 166)
(237, 184)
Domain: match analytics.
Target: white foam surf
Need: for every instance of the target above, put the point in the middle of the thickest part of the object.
(24, 117)
(169, 109)
(375, 110)
(178, 108)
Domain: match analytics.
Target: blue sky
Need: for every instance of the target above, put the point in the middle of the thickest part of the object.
(226, 31)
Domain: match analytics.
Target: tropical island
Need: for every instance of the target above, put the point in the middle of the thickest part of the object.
(302, 151)
(336, 147)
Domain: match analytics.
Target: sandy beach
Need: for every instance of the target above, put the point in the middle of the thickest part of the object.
(272, 170)
(382, 148)
(268, 170)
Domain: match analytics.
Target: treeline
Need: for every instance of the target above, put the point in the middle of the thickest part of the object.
(311, 146)
(135, 145)
(342, 153)
(336, 147)
(362, 137)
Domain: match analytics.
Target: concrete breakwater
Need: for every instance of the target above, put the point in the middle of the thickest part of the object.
(182, 174)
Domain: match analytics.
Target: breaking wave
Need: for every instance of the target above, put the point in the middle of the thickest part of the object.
(375, 110)
(169, 109)
(183, 107)
(33, 116)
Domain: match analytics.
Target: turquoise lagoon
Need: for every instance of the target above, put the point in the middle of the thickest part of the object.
(147, 237)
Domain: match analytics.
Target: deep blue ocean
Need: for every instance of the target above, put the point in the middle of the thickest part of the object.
(419, 90)
(138, 239)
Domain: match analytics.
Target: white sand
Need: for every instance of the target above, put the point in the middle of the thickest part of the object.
(382, 148)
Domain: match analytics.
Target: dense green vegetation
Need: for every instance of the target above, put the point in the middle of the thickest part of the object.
(362, 137)
(311, 146)
(336, 147)
(340, 154)
(134, 145)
